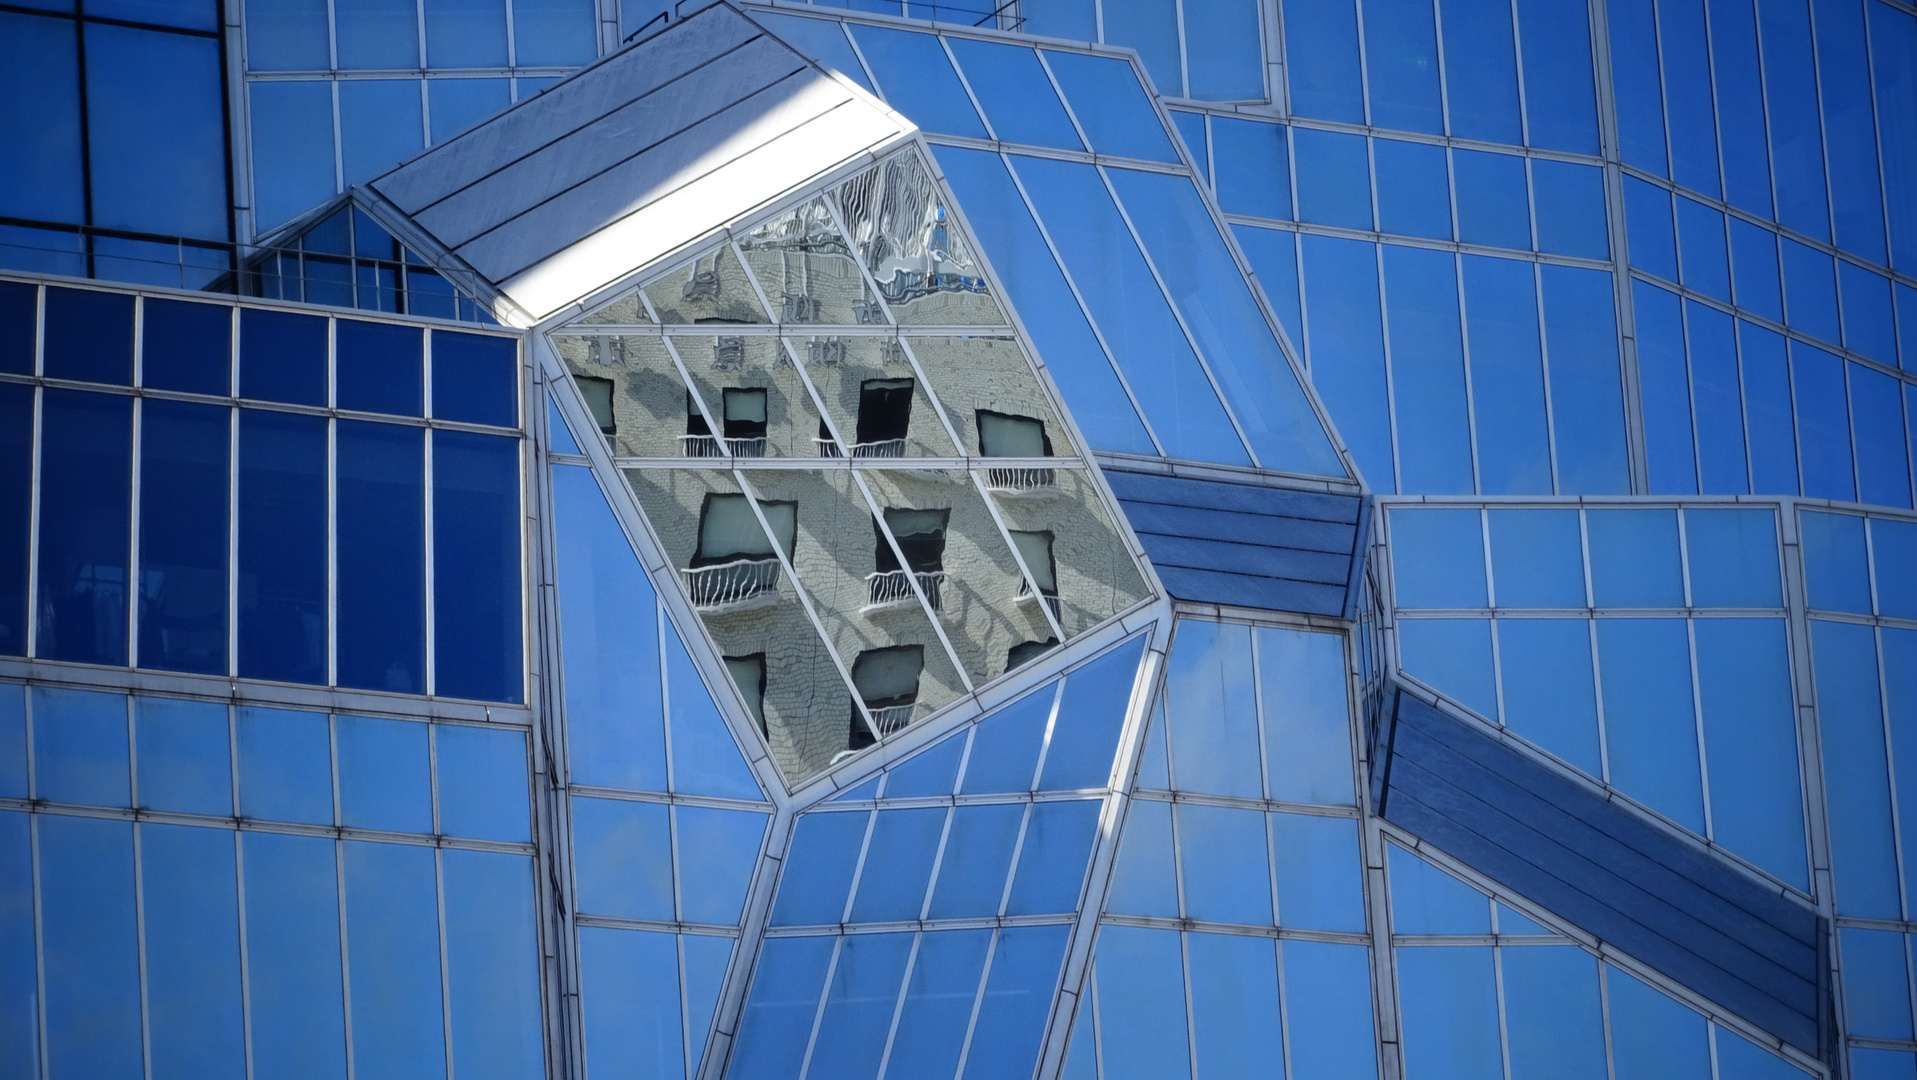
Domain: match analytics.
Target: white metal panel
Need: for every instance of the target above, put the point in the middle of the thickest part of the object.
(635, 130)
(766, 170)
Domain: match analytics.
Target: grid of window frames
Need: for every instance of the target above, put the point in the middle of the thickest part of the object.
(240, 490)
(338, 93)
(1648, 647)
(193, 887)
(120, 169)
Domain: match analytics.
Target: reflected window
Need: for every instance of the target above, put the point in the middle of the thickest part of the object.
(743, 419)
(736, 567)
(1005, 435)
(1036, 549)
(598, 395)
(885, 414)
(1027, 651)
(921, 538)
(749, 673)
(888, 682)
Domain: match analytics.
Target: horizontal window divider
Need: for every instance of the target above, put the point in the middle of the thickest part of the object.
(780, 330)
(1280, 806)
(1288, 620)
(1419, 940)
(1888, 621)
(861, 806)
(1348, 128)
(231, 690)
(1772, 325)
(1080, 156)
(1376, 237)
(667, 927)
(271, 406)
(1866, 1043)
(1589, 502)
(435, 73)
(872, 464)
(1150, 922)
(986, 922)
(1590, 613)
(1238, 474)
(1900, 926)
(131, 24)
(246, 824)
(712, 801)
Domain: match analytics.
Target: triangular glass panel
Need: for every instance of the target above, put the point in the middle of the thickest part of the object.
(1091, 713)
(705, 759)
(625, 311)
(863, 793)
(806, 270)
(1081, 1059)
(1510, 922)
(1152, 771)
(1427, 900)
(558, 432)
(914, 250)
(1005, 747)
(347, 259)
(930, 772)
(712, 289)
(705, 969)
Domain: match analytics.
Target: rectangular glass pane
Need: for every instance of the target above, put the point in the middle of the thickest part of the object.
(282, 624)
(90, 952)
(183, 536)
(381, 560)
(189, 890)
(86, 463)
(476, 553)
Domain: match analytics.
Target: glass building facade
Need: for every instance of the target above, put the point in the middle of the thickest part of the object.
(1071, 540)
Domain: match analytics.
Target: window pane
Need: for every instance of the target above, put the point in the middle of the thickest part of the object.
(1493, 203)
(1587, 392)
(1733, 558)
(1144, 879)
(622, 859)
(1453, 657)
(1651, 1035)
(1111, 106)
(39, 62)
(1449, 997)
(292, 142)
(1427, 370)
(1549, 696)
(718, 850)
(1857, 771)
(185, 764)
(190, 900)
(1307, 717)
(381, 560)
(1005, 748)
(377, 34)
(286, 770)
(19, 968)
(1051, 862)
(1553, 1019)
(1537, 558)
(1253, 177)
(917, 79)
(1328, 1009)
(1750, 740)
(183, 536)
(85, 477)
(1012, 1011)
(1634, 558)
(938, 1005)
(553, 33)
(1141, 1004)
(476, 594)
(482, 782)
(90, 953)
(377, 367)
(297, 1006)
(1226, 869)
(1320, 872)
(1570, 206)
(1481, 71)
(475, 378)
(1334, 178)
(88, 336)
(784, 1001)
(466, 33)
(385, 776)
(1090, 714)
(629, 988)
(1321, 50)
(379, 121)
(80, 747)
(157, 131)
(1222, 40)
(1214, 713)
(492, 959)
(859, 1003)
(1506, 375)
(705, 759)
(1560, 98)
(1650, 721)
(818, 869)
(13, 741)
(1414, 189)
(1401, 51)
(1427, 900)
(282, 546)
(1234, 1006)
(1438, 558)
(977, 858)
(392, 923)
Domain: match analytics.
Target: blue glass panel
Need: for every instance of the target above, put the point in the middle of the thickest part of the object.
(379, 123)
(1651, 234)
(615, 725)
(1817, 378)
(1322, 62)
(918, 80)
(385, 775)
(1537, 558)
(1733, 557)
(822, 40)
(1111, 106)
(780, 1011)
(286, 770)
(553, 32)
(1883, 451)
(859, 1002)
(378, 367)
(863, 792)
(183, 536)
(88, 336)
(1274, 262)
(1586, 387)
(1191, 132)
(1510, 922)
(1012, 88)
(184, 760)
(1750, 741)
(1893, 43)
(1005, 750)
(1052, 858)
(156, 129)
(818, 869)
(1222, 42)
(392, 914)
(1307, 718)
(622, 859)
(1234, 1001)
(476, 594)
(19, 326)
(1252, 174)
(80, 747)
(1850, 130)
(192, 953)
(1553, 1019)
(1090, 714)
(293, 137)
(1790, 91)
(1706, 259)
(1401, 54)
(1052, 316)
(1141, 982)
(376, 34)
(282, 546)
(1481, 71)
(705, 759)
(1895, 545)
(1414, 196)
(1754, 269)
(1560, 97)
(1438, 558)
(380, 492)
(13, 741)
(1453, 657)
(1717, 400)
(297, 1008)
(1740, 105)
(1328, 1006)
(1872, 1064)
(1836, 570)
(898, 865)
(1449, 1000)
(1768, 411)
(1810, 290)
(85, 480)
(1427, 370)
(282, 357)
(929, 772)
(1549, 697)
(454, 105)
(1334, 178)
(186, 346)
(718, 850)
(937, 1009)
(38, 62)
(1346, 348)
(1650, 721)
(704, 964)
(1634, 558)
(475, 378)
(1900, 695)
(1493, 204)
(465, 33)
(1687, 94)
(1426, 900)
(1143, 880)
(1653, 1036)
(492, 959)
(1507, 376)
(1868, 323)
(19, 972)
(1214, 715)
(1131, 312)
(1570, 206)
(558, 435)
(1151, 27)
(1224, 854)
(89, 949)
(630, 1001)
(1857, 791)
(482, 782)
(1320, 872)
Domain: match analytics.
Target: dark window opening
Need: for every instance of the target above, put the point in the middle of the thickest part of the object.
(1026, 651)
(730, 531)
(1005, 435)
(885, 412)
(1035, 548)
(744, 411)
(696, 420)
(598, 395)
(921, 536)
(749, 673)
(888, 682)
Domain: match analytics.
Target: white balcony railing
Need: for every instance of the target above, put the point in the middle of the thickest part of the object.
(892, 717)
(710, 446)
(884, 448)
(734, 586)
(889, 587)
(1026, 596)
(1022, 481)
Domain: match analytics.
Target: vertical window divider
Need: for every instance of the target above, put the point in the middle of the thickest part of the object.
(1018, 849)
(978, 995)
(905, 979)
(345, 952)
(1464, 352)
(1544, 372)
(428, 680)
(1364, 82)
(244, 953)
(332, 522)
(1697, 718)
(1497, 987)
(33, 485)
(130, 601)
(1384, 326)
(39, 926)
(1184, 46)
(445, 962)
(233, 523)
(1051, 726)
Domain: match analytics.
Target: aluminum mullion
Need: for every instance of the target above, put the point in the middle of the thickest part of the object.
(1544, 364)
(660, 628)
(978, 1001)
(858, 867)
(34, 469)
(345, 959)
(1618, 241)
(1391, 381)
(39, 939)
(1464, 354)
(145, 984)
(965, 85)
(818, 1016)
(445, 959)
(905, 982)
(1497, 988)
(245, 955)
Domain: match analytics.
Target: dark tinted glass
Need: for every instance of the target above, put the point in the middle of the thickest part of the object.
(186, 346)
(282, 552)
(282, 357)
(85, 487)
(16, 483)
(89, 336)
(475, 378)
(382, 557)
(378, 368)
(476, 551)
(17, 302)
(183, 536)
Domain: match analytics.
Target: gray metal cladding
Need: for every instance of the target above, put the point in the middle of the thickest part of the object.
(1218, 542)
(1600, 865)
